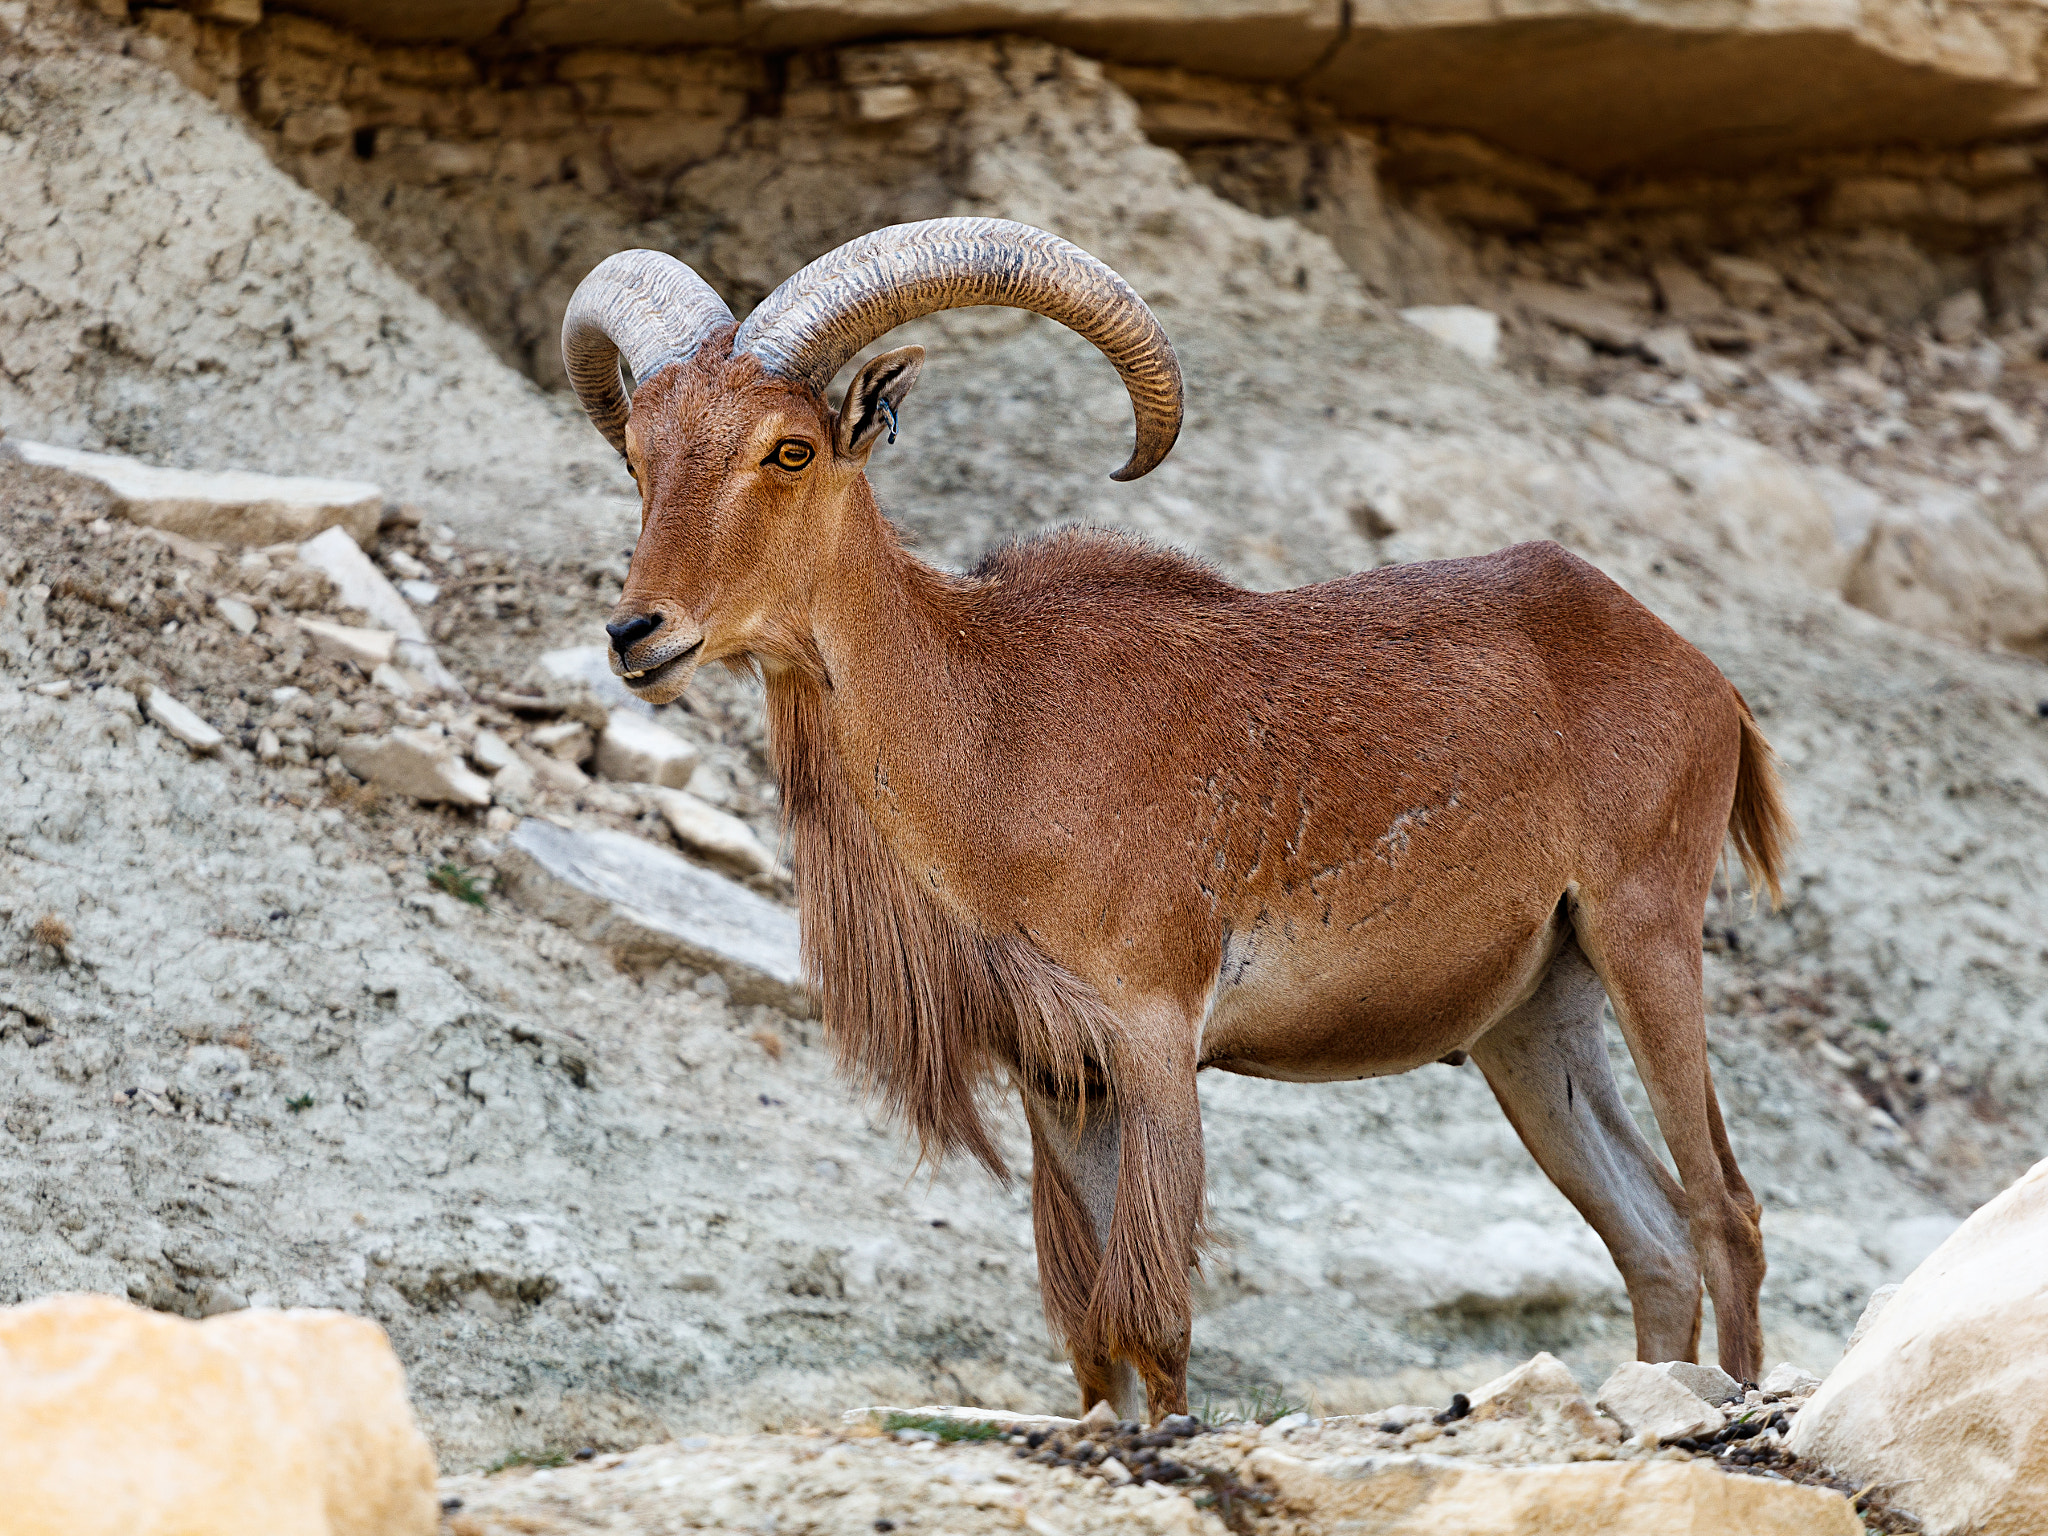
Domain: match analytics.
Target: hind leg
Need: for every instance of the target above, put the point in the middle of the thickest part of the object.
(1547, 1065)
(1646, 947)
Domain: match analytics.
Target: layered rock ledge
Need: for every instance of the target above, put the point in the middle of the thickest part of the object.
(1600, 88)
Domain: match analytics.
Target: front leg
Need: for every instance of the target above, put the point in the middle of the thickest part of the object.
(1117, 1199)
(1074, 1158)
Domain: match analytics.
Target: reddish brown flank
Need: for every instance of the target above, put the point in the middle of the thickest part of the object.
(1089, 818)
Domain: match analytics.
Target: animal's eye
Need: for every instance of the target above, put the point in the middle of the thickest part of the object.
(790, 453)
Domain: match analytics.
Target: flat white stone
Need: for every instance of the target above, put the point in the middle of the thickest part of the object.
(240, 616)
(634, 750)
(491, 752)
(1472, 330)
(568, 740)
(515, 782)
(712, 832)
(1709, 1383)
(551, 772)
(180, 722)
(1644, 1401)
(394, 681)
(367, 648)
(709, 782)
(361, 585)
(228, 506)
(625, 893)
(416, 763)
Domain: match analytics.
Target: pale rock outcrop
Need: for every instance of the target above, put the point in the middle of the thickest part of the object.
(116, 1421)
(1936, 562)
(634, 750)
(1599, 319)
(1945, 1397)
(220, 506)
(419, 763)
(1534, 1412)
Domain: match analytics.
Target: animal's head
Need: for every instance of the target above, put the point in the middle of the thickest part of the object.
(746, 473)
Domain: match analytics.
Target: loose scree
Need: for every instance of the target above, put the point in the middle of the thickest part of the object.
(1092, 819)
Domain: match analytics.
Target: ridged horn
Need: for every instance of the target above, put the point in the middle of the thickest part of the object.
(644, 306)
(807, 329)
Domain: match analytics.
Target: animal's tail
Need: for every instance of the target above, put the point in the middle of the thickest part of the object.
(1760, 823)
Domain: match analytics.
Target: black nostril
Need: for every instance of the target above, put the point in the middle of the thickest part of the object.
(627, 633)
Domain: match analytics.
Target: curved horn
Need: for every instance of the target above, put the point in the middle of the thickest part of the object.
(644, 306)
(807, 329)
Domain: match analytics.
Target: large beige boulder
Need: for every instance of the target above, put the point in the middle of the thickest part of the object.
(1437, 1496)
(115, 1421)
(1944, 1398)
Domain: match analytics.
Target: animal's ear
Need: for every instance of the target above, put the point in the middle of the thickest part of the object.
(872, 400)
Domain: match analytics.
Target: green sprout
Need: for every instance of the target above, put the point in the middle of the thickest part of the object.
(538, 1459)
(459, 883)
(945, 1429)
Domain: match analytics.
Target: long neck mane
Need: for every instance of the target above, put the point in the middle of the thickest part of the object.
(923, 1009)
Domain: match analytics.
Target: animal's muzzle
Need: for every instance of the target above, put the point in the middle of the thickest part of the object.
(627, 633)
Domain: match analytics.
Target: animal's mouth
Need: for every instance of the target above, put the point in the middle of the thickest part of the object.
(654, 676)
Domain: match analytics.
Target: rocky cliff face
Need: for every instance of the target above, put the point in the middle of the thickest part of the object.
(341, 246)
(1597, 88)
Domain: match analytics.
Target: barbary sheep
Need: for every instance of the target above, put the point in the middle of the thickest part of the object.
(1092, 819)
